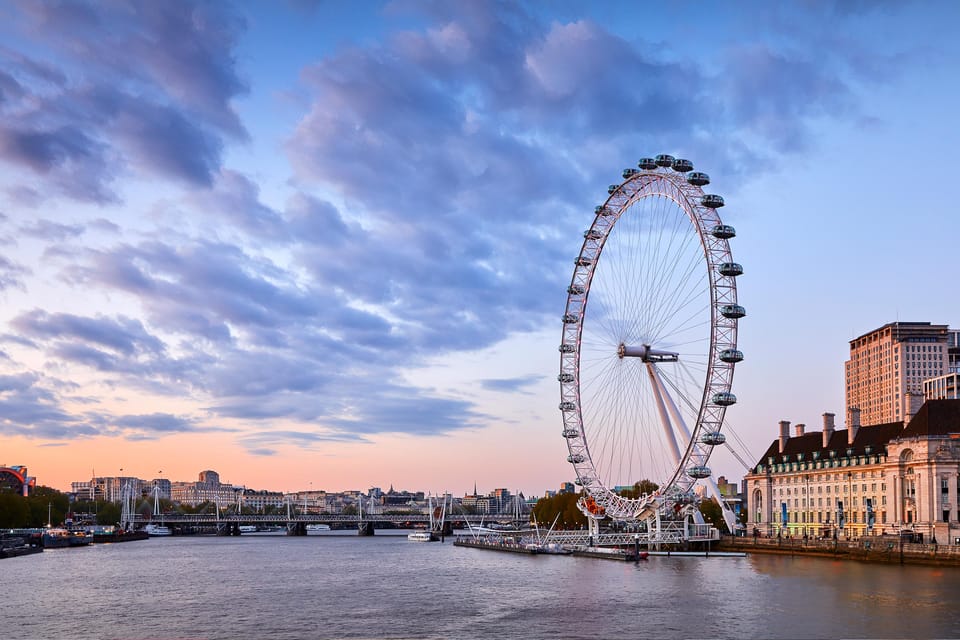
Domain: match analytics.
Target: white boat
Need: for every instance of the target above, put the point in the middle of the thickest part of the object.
(157, 530)
(248, 528)
(420, 536)
(318, 527)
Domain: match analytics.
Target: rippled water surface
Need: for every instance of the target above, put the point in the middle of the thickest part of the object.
(344, 586)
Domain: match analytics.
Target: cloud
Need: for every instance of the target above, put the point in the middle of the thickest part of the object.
(511, 385)
(11, 274)
(144, 85)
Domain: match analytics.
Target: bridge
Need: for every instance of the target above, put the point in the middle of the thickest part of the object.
(297, 524)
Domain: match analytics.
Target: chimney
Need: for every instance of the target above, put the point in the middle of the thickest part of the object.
(798, 429)
(853, 423)
(827, 428)
(784, 434)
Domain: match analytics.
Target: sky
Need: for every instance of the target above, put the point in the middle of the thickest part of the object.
(326, 244)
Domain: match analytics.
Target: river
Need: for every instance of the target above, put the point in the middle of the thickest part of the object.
(344, 586)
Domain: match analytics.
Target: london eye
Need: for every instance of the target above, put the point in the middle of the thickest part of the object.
(649, 345)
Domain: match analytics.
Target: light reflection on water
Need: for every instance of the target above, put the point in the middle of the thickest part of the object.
(344, 586)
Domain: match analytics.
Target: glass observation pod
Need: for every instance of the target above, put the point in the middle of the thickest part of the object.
(699, 472)
(712, 200)
(603, 211)
(612, 189)
(592, 234)
(571, 433)
(583, 262)
(565, 377)
(569, 318)
(576, 289)
(568, 406)
(575, 458)
(630, 172)
(730, 269)
(647, 164)
(713, 438)
(724, 399)
(664, 160)
(682, 166)
(723, 231)
(731, 355)
(584, 482)
(698, 179)
(733, 311)
(567, 348)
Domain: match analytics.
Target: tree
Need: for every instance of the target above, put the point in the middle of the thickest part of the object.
(712, 513)
(640, 488)
(563, 505)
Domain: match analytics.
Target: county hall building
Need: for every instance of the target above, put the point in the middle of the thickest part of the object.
(895, 469)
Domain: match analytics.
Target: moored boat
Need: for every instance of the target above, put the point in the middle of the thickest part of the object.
(58, 538)
(318, 527)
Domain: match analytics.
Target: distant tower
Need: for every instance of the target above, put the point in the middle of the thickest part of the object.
(889, 363)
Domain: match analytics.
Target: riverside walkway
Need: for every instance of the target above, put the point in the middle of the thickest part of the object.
(886, 549)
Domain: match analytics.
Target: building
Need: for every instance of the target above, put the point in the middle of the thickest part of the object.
(885, 373)
(942, 387)
(16, 480)
(207, 489)
(893, 478)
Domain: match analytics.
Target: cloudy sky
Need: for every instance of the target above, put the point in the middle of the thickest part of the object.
(326, 244)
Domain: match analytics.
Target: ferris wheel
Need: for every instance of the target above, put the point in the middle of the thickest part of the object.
(646, 367)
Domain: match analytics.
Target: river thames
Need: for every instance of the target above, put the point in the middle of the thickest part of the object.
(345, 586)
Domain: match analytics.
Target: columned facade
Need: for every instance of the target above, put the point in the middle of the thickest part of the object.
(865, 480)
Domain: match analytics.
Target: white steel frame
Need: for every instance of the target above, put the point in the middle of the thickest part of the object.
(692, 452)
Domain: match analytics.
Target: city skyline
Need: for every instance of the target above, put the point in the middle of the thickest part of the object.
(328, 243)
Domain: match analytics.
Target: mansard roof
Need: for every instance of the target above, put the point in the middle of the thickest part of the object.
(875, 437)
(935, 418)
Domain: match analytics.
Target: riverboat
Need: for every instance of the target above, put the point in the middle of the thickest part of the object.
(153, 529)
(421, 536)
(58, 538)
(318, 527)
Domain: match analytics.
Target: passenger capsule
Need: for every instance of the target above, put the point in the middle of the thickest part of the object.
(629, 173)
(730, 269)
(592, 234)
(647, 164)
(569, 434)
(732, 311)
(576, 289)
(583, 262)
(664, 160)
(713, 438)
(568, 406)
(723, 231)
(565, 377)
(682, 166)
(724, 399)
(567, 348)
(698, 179)
(699, 472)
(731, 355)
(603, 211)
(612, 189)
(575, 458)
(570, 318)
(712, 201)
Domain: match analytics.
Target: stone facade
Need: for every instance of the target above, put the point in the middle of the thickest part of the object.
(887, 479)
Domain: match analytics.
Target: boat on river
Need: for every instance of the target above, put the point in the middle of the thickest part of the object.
(58, 538)
(154, 529)
(318, 527)
(421, 536)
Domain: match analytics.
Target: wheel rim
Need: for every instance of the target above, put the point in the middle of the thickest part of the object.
(649, 333)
